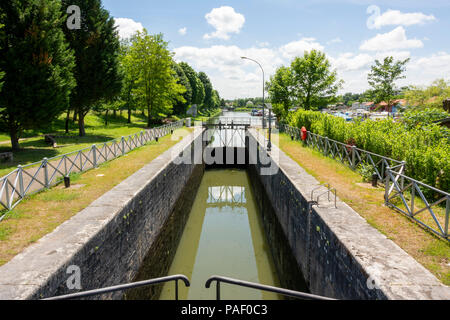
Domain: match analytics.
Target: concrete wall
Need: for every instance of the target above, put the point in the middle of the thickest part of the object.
(110, 239)
(339, 254)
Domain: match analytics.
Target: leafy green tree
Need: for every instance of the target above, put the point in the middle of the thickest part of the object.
(429, 97)
(96, 46)
(280, 91)
(37, 63)
(157, 82)
(198, 90)
(314, 84)
(181, 107)
(382, 79)
(208, 100)
(130, 77)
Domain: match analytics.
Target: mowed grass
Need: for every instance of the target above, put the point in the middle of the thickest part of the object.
(41, 213)
(429, 250)
(34, 148)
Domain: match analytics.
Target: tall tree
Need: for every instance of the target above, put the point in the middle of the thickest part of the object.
(130, 76)
(37, 63)
(198, 90)
(382, 78)
(280, 91)
(208, 100)
(157, 84)
(314, 83)
(180, 107)
(96, 46)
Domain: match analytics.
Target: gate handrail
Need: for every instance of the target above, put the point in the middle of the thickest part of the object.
(126, 286)
(253, 285)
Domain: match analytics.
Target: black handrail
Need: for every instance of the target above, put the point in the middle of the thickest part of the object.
(242, 283)
(126, 286)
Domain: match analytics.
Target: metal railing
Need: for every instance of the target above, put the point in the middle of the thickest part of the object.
(127, 286)
(35, 177)
(412, 189)
(347, 154)
(242, 283)
(391, 173)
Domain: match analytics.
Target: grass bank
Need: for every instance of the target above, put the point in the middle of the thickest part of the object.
(41, 213)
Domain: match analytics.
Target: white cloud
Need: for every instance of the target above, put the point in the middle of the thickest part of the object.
(226, 21)
(127, 27)
(393, 40)
(335, 40)
(351, 62)
(297, 48)
(395, 17)
(182, 31)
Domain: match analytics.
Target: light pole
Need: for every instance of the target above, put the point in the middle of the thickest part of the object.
(263, 124)
(269, 144)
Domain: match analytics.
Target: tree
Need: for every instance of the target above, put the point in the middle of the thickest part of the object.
(198, 90)
(382, 79)
(314, 84)
(208, 99)
(429, 97)
(96, 46)
(130, 76)
(280, 91)
(37, 63)
(157, 83)
(180, 107)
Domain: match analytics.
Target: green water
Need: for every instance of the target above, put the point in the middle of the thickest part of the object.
(223, 236)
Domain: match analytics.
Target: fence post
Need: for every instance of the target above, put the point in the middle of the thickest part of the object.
(447, 213)
(326, 146)
(402, 180)
(386, 186)
(44, 165)
(123, 145)
(8, 200)
(353, 157)
(20, 173)
(94, 155)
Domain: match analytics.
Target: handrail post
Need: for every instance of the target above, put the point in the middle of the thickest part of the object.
(44, 165)
(353, 157)
(386, 191)
(20, 173)
(94, 155)
(176, 289)
(447, 213)
(123, 145)
(218, 290)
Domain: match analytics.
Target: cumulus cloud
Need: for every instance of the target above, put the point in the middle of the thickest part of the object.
(297, 48)
(351, 62)
(395, 17)
(226, 21)
(182, 31)
(127, 27)
(393, 40)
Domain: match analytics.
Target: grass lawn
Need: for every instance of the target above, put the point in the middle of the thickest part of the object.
(35, 149)
(41, 213)
(431, 251)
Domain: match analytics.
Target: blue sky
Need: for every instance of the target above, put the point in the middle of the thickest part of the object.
(212, 35)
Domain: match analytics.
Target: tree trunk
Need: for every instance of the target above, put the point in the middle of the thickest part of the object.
(115, 113)
(67, 120)
(106, 118)
(75, 116)
(14, 138)
(81, 130)
(148, 119)
(129, 115)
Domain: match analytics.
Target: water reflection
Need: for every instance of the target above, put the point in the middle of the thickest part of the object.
(223, 236)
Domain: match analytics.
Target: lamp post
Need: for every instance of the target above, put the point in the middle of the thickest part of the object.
(269, 144)
(263, 123)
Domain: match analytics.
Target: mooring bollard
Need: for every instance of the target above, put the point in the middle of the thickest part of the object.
(67, 182)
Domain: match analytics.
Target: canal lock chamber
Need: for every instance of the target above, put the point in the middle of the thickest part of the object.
(222, 224)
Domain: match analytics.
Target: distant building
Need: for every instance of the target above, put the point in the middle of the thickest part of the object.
(395, 106)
